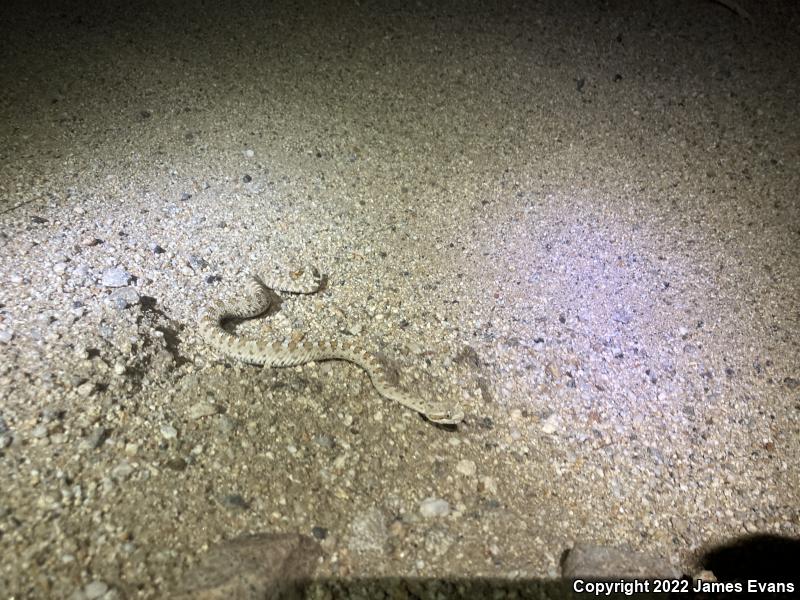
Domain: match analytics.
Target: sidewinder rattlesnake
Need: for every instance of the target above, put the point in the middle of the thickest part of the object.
(288, 353)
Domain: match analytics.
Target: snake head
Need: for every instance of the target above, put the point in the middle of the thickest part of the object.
(444, 415)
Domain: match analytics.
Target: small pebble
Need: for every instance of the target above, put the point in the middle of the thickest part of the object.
(202, 409)
(95, 589)
(85, 389)
(124, 297)
(39, 432)
(621, 316)
(434, 507)
(96, 438)
(122, 471)
(550, 424)
(177, 464)
(198, 263)
(226, 424)
(115, 277)
(466, 467)
(235, 501)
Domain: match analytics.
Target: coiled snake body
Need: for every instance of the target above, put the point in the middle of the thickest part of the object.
(288, 353)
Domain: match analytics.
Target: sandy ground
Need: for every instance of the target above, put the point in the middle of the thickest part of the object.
(578, 223)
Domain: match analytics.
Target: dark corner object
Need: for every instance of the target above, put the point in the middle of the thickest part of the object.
(762, 557)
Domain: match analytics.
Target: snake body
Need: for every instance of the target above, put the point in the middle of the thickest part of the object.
(288, 353)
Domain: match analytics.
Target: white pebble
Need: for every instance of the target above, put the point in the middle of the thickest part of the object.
(434, 507)
(95, 590)
(115, 277)
(550, 424)
(466, 467)
(85, 388)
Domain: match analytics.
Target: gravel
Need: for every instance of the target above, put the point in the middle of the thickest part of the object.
(580, 224)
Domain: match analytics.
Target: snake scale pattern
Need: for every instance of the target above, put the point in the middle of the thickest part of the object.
(288, 353)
